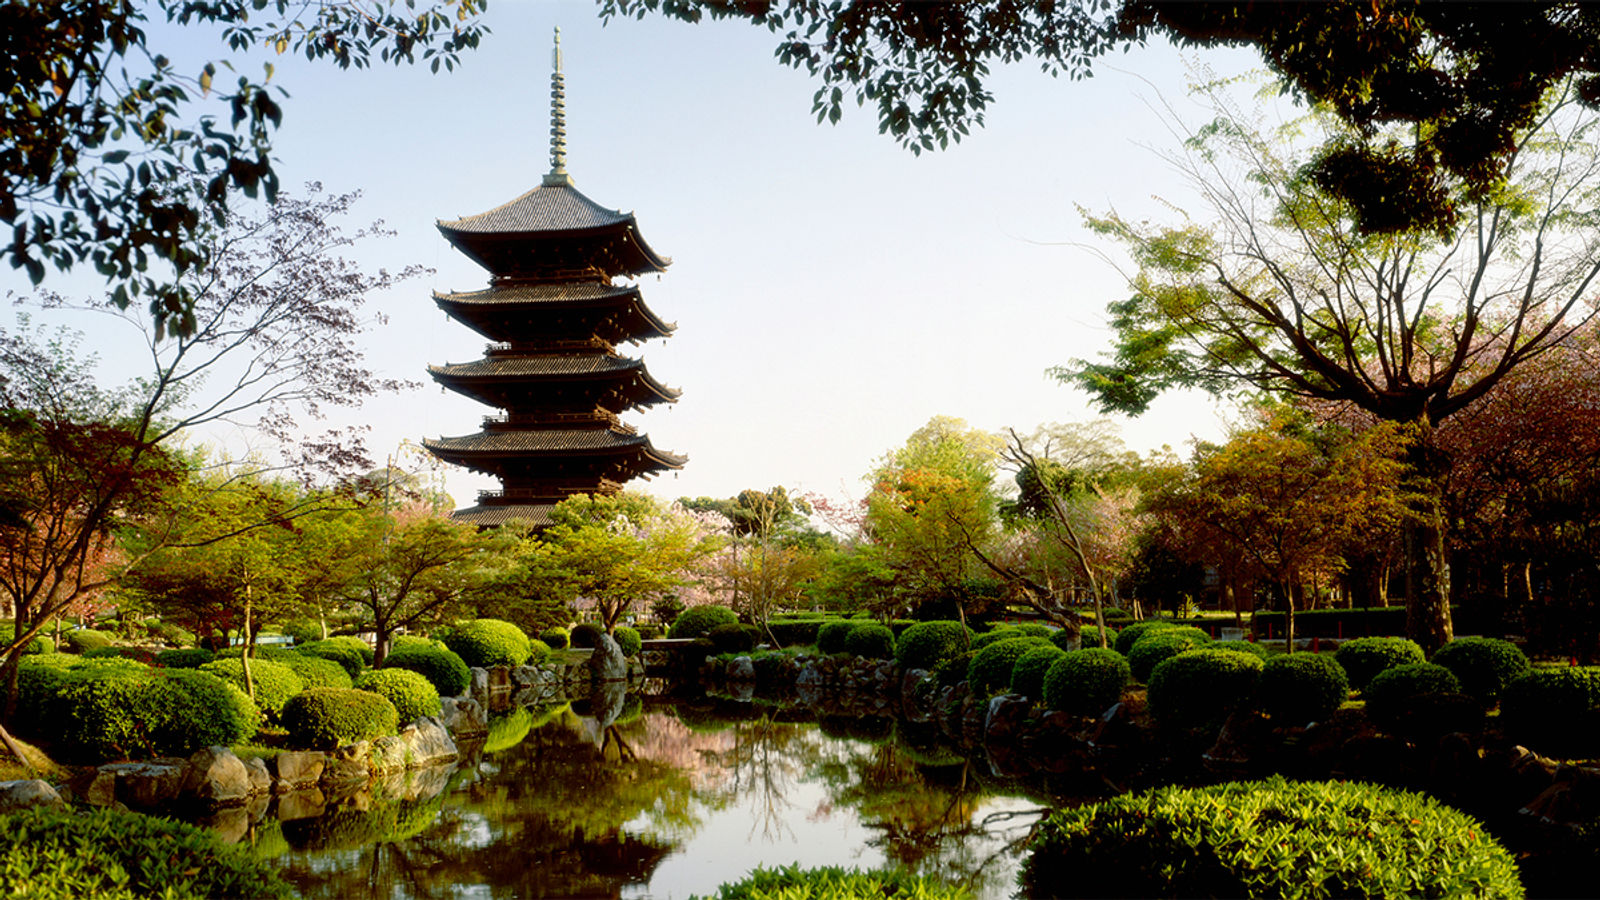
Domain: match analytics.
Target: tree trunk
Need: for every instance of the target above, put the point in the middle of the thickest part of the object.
(1427, 563)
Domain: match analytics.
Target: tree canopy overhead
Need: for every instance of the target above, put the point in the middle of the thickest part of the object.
(1437, 94)
(112, 157)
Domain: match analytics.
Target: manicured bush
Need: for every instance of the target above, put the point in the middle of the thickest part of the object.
(1086, 682)
(1552, 711)
(1161, 645)
(1297, 688)
(835, 883)
(870, 641)
(304, 631)
(926, 644)
(1269, 838)
(1484, 666)
(413, 696)
(39, 644)
(1390, 691)
(733, 638)
(115, 854)
(145, 655)
(446, 671)
(1130, 634)
(1249, 647)
(990, 669)
(831, 635)
(117, 709)
(995, 635)
(359, 645)
(192, 658)
(489, 642)
(1199, 689)
(201, 710)
(790, 632)
(585, 635)
(275, 682)
(347, 656)
(414, 640)
(697, 621)
(326, 718)
(953, 671)
(628, 639)
(1027, 676)
(1088, 636)
(1364, 658)
(79, 640)
(1036, 629)
(315, 671)
(556, 637)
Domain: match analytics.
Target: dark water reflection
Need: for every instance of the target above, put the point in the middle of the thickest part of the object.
(670, 801)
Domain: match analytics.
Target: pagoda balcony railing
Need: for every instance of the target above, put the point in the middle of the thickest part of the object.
(578, 345)
(513, 495)
(557, 420)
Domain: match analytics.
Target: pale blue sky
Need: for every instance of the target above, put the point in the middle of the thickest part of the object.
(832, 291)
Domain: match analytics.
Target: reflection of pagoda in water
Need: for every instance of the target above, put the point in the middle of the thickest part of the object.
(555, 318)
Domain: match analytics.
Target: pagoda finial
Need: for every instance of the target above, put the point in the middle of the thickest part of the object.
(558, 119)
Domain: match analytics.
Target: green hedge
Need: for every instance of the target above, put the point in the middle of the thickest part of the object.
(1364, 658)
(1200, 688)
(831, 635)
(1130, 634)
(870, 641)
(274, 682)
(117, 709)
(339, 650)
(327, 718)
(192, 658)
(793, 632)
(1389, 693)
(1086, 682)
(1553, 711)
(1484, 666)
(556, 637)
(1161, 645)
(585, 635)
(1376, 621)
(1297, 688)
(446, 671)
(39, 644)
(118, 855)
(489, 642)
(628, 639)
(990, 669)
(80, 640)
(834, 883)
(315, 671)
(733, 638)
(1027, 676)
(1268, 839)
(697, 621)
(926, 644)
(413, 695)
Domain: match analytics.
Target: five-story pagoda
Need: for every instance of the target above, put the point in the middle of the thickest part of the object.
(555, 317)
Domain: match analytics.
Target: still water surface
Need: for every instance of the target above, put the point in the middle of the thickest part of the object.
(670, 802)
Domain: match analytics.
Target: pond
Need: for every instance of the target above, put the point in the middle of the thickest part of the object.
(671, 801)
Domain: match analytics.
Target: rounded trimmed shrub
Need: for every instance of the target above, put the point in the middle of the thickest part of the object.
(39, 644)
(489, 642)
(585, 635)
(327, 718)
(1297, 688)
(315, 671)
(1271, 838)
(1551, 710)
(275, 682)
(993, 635)
(80, 640)
(400, 641)
(1088, 636)
(447, 672)
(359, 645)
(1036, 629)
(413, 696)
(1163, 644)
(628, 638)
(990, 669)
(1249, 647)
(348, 657)
(203, 711)
(109, 853)
(697, 621)
(1086, 682)
(116, 709)
(1390, 692)
(145, 655)
(556, 637)
(192, 658)
(1200, 688)
(304, 631)
(1027, 676)
(835, 883)
(1484, 666)
(926, 644)
(1364, 658)
(732, 638)
(1130, 634)
(831, 635)
(870, 641)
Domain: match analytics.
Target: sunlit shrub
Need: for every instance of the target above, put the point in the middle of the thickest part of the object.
(326, 718)
(628, 639)
(413, 695)
(1131, 633)
(1160, 645)
(697, 621)
(1086, 682)
(274, 682)
(447, 672)
(489, 642)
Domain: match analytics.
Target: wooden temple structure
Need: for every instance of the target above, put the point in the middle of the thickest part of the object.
(559, 302)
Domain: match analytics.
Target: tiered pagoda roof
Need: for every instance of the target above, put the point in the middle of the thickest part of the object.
(556, 317)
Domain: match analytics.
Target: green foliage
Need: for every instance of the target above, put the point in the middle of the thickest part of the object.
(139, 654)
(327, 718)
(413, 695)
(1364, 658)
(1553, 710)
(1088, 636)
(304, 631)
(953, 670)
(1133, 632)
(1161, 645)
(1267, 839)
(349, 658)
(586, 635)
(1484, 666)
(192, 658)
(628, 639)
(275, 682)
(1249, 647)
(733, 638)
(926, 644)
(1297, 688)
(556, 637)
(39, 644)
(870, 641)
(1087, 681)
(697, 621)
(1027, 676)
(118, 855)
(831, 635)
(507, 731)
(1200, 688)
(1390, 692)
(990, 669)
(994, 635)
(119, 709)
(489, 642)
(315, 671)
(80, 640)
(835, 883)
(446, 671)
(173, 634)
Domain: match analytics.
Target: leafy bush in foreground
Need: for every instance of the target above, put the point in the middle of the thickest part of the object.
(1268, 839)
(117, 709)
(443, 668)
(326, 718)
(835, 883)
(926, 644)
(413, 695)
(1086, 682)
(490, 642)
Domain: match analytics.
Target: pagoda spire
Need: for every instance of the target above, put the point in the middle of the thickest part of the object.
(558, 119)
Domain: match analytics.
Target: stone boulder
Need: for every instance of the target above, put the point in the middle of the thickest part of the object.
(295, 769)
(479, 687)
(144, 785)
(215, 775)
(607, 663)
(19, 795)
(427, 743)
(463, 716)
(741, 670)
(388, 754)
(350, 763)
